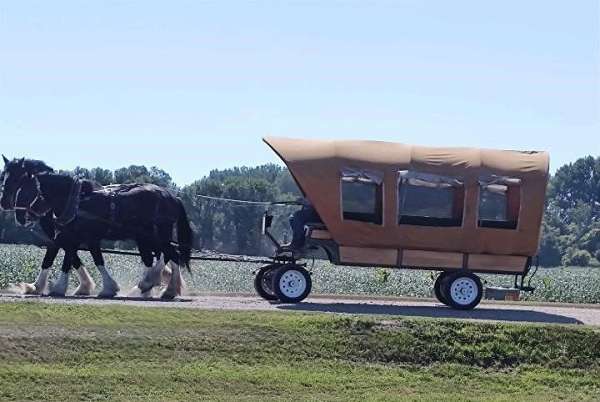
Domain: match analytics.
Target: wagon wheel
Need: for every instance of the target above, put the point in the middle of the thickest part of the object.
(292, 283)
(438, 288)
(263, 282)
(462, 289)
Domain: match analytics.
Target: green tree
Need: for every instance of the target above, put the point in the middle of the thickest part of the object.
(102, 176)
(233, 227)
(246, 218)
(141, 174)
(577, 182)
(572, 219)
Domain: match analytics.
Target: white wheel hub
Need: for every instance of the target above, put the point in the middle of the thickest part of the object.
(292, 283)
(464, 291)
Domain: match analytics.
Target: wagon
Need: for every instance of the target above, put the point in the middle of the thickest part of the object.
(459, 211)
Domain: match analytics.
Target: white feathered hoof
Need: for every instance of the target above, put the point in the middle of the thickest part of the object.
(151, 279)
(135, 292)
(84, 289)
(109, 290)
(168, 295)
(59, 288)
(105, 294)
(145, 286)
(29, 289)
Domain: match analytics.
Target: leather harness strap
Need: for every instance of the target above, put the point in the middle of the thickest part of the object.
(72, 205)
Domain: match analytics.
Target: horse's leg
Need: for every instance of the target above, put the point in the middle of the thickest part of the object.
(152, 272)
(168, 275)
(110, 287)
(86, 283)
(41, 282)
(59, 288)
(174, 287)
(155, 275)
(167, 272)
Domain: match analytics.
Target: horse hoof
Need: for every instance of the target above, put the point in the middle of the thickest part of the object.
(29, 289)
(144, 287)
(56, 294)
(83, 291)
(110, 289)
(168, 296)
(107, 295)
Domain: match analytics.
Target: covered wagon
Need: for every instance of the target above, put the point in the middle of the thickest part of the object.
(461, 211)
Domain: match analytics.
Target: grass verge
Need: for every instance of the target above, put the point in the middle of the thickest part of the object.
(58, 352)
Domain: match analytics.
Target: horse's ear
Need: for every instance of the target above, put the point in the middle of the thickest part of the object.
(5, 159)
(22, 162)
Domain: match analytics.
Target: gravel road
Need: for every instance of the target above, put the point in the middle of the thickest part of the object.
(486, 311)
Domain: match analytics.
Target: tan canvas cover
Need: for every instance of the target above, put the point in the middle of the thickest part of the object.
(317, 165)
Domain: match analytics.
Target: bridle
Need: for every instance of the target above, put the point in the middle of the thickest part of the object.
(2, 181)
(39, 207)
(18, 185)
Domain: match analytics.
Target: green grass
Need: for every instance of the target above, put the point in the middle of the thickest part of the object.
(60, 352)
(569, 285)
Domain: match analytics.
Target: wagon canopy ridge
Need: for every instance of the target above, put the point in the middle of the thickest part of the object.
(470, 162)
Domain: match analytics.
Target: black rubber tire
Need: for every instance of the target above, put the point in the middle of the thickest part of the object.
(437, 288)
(280, 273)
(446, 286)
(263, 281)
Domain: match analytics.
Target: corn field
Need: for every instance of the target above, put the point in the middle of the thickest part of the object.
(566, 284)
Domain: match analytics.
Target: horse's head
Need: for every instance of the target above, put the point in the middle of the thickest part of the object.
(29, 201)
(14, 173)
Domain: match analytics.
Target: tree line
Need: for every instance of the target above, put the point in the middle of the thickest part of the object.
(571, 227)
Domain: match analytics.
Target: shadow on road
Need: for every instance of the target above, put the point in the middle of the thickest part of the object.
(434, 312)
(116, 298)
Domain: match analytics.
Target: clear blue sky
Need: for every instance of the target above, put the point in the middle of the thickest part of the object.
(191, 86)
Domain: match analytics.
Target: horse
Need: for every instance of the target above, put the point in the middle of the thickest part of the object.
(86, 283)
(142, 212)
(25, 216)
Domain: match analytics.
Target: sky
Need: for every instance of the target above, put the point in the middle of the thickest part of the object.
(192, 86)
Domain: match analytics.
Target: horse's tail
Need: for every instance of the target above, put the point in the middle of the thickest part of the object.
(185, 236)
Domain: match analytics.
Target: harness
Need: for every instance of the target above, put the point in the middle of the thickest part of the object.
(71, 206)
(40, 207)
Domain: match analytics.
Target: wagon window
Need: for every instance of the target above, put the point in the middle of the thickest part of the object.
(430, 200)
(499, 203)
(362, 196)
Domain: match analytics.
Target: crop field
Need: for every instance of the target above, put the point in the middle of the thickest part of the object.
(564, 284)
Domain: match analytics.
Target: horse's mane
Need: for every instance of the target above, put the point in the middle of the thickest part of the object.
(34, 166)
(89, 186)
